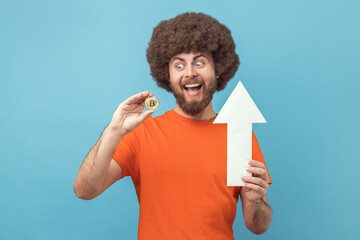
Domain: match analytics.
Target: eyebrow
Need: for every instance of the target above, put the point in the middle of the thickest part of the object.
(196, 57)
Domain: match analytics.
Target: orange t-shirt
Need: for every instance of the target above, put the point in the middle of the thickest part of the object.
(178, 167)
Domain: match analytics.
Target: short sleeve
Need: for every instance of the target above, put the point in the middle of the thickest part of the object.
(257, 155)
(125, 154)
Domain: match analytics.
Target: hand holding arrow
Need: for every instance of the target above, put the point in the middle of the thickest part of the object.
(239, 112)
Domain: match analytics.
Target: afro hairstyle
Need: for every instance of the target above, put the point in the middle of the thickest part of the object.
(192, 32)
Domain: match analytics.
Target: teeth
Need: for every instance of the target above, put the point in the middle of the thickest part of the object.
(192, 85)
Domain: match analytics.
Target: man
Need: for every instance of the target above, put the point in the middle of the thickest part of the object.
(177, 161)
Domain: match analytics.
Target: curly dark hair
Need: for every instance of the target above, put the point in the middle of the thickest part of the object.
(192, 32)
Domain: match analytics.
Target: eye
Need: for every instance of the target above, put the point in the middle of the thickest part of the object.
(179, 66)
(199, 64)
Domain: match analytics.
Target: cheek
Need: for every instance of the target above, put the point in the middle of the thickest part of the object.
(174, 77)
(210, 77)
(174, 82)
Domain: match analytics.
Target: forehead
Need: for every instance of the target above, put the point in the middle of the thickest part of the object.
(190, 56)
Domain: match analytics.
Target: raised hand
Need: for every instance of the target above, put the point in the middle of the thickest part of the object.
(128, 114)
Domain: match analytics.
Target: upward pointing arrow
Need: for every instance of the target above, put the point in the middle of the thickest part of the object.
(239, 112)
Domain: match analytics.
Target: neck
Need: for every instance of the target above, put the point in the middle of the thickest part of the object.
(206, 114)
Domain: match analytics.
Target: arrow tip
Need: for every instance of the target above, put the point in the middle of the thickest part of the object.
(239, 107)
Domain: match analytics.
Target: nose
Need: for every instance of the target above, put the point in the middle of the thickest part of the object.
(190, 72)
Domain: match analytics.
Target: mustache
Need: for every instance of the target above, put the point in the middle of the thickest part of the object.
(193, 81)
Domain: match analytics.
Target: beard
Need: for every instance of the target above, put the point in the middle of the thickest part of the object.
(193, 107)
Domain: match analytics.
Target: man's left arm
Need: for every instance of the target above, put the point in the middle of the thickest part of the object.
(256, 209)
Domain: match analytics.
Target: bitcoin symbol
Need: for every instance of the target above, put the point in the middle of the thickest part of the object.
(152, 103)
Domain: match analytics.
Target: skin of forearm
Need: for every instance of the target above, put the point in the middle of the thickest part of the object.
(258, 216)
(90, 180)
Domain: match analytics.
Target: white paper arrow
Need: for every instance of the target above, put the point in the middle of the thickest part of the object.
(239, 112)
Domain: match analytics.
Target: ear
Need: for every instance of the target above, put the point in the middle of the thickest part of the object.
(217, 76)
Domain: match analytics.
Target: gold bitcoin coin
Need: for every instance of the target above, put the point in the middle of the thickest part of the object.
(152, 103)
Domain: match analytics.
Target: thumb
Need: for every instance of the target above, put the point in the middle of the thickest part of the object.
(145, 115)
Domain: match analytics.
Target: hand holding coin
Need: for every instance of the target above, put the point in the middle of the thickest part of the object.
(129, 114)
(152, 103)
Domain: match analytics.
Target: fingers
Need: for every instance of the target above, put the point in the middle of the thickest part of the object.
(255, 163)
(256, 185)
(261, 191)
(258, 169)
(249, 180)
(132, 105)
(261, 172)
(258, 182)
(137, 98)
(145, 115)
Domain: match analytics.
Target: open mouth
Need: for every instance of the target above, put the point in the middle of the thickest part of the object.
(192, 89)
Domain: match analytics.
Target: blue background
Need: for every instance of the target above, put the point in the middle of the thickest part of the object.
(66, 65)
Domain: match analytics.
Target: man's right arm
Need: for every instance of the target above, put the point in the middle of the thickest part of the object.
(98, 170)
